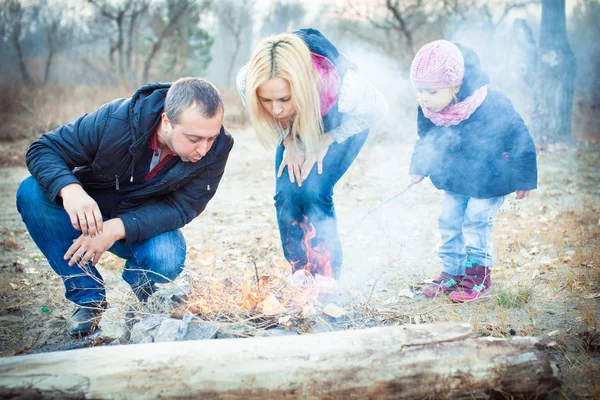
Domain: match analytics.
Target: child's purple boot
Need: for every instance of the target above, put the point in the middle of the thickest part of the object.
(475, 284)
(442, 285)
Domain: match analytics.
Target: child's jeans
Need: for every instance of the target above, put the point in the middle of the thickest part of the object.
(466, 219)
(158, 259)
(314, 200)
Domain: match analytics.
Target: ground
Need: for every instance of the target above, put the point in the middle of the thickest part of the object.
(546, 275)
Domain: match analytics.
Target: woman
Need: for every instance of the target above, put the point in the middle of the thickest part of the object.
(305, 98)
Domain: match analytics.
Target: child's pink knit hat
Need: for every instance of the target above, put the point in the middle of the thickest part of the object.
(437, 65)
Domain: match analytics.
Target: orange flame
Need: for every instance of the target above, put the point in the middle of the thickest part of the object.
(249, 293)
(318, 257)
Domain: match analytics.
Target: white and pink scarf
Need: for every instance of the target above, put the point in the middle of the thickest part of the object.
(454, 114)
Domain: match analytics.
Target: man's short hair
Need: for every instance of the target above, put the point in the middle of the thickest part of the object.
(197, 92)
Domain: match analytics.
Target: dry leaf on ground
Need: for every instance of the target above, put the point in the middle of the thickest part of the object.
(272, 306)
(333, 311)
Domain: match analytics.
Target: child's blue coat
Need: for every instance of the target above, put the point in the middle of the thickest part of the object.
(490, 154)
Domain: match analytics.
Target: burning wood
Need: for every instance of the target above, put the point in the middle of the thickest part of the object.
(318, 258)
(270, 294)
(273, 294)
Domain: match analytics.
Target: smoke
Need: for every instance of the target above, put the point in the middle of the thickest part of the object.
(508, 55)
(399, 241)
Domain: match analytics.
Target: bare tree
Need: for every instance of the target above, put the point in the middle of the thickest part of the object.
(236, 17)
(15, 19)
(139, 8)
(398, 20)
(553, 94)
(401, 25)
(58, 23)
(283, 17)
(584, 36)
(116, 13)
(125, 17)
(395, 21)
(492, 22)
(175, 16)
(186, 51)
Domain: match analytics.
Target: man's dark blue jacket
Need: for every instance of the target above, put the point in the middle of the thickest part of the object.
(487, 155)
(100, 151)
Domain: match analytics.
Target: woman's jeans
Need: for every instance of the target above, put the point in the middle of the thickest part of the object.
(158, 259)
(466, 219)
(314, 201)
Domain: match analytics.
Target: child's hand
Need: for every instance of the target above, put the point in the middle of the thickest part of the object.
(416, 178)
(522, 194)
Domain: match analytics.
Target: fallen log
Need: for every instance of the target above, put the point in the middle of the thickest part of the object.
(441, 360)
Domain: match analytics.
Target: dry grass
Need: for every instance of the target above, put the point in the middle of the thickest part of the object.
(30, 111)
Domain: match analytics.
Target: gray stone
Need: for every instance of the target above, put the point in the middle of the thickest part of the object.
(322, 326)
(200, 330)
(183, 325)
(164, 301)
(275, 332)
(168, 331)
(235, 331)
(188, 328)
(114, 326)
(147, 339)
(230, 335)
(146, 327)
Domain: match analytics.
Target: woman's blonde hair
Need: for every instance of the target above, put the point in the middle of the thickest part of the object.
(285, 56)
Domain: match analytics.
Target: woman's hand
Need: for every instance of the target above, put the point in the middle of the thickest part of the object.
(317, 156)
(293, 157)
(90, 248)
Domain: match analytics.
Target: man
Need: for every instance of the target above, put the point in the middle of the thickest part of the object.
(124, 179)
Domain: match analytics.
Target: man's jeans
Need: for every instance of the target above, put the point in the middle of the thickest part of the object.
(466, 219)
(159, 259)
(314, 200)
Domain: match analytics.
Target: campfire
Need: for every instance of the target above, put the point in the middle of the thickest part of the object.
(286, 290)
(318, 257)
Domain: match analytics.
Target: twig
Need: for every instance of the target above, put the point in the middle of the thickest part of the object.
(406, 189)
(28, 108)
(384, 271)
(256, 272)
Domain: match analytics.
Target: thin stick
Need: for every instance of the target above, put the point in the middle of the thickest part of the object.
(406, 189)
(256, 272)
(383, 273)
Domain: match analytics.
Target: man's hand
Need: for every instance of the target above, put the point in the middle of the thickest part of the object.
(317, 156)
(522, 194)
(293, 157)
(416, 178)
(90, 248)
(82, 209)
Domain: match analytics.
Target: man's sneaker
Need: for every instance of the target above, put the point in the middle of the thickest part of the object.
(143, 292)
(476, 284)
(85, 319)
(442, 285)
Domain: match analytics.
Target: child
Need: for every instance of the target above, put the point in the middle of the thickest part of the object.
(474, 146)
